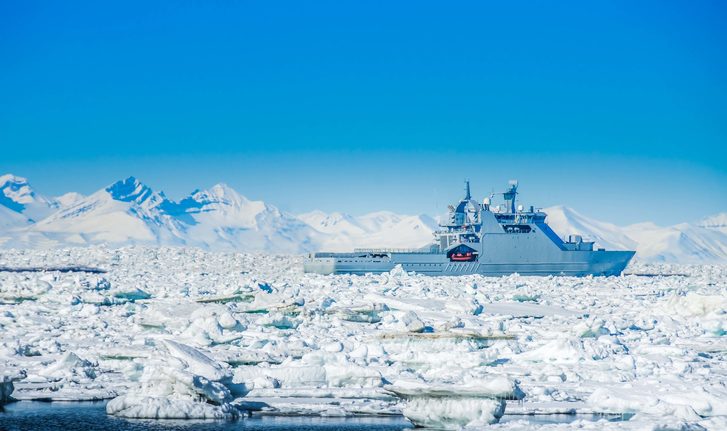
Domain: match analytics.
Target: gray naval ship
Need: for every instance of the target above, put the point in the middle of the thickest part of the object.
(484, 239)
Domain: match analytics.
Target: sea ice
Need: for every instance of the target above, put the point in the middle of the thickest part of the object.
(209, 327)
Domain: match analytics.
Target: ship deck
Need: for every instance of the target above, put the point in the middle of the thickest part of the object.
(396, 250)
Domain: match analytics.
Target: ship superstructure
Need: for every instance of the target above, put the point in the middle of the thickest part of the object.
(487, 239)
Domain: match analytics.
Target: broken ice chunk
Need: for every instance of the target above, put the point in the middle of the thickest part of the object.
(6, 386)
(181, 383)
(412, 322)
(71, 367)
(132, 295)
(450, 406)
(370, 313)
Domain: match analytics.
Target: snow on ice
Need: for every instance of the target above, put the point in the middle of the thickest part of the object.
(185, 333)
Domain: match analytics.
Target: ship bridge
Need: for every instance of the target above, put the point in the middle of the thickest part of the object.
(469, 221)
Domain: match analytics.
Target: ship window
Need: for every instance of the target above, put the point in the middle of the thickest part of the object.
(516, 228)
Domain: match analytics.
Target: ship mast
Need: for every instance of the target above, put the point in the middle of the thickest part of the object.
(510, 195)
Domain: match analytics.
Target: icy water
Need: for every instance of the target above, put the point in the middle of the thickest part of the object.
(91, 416)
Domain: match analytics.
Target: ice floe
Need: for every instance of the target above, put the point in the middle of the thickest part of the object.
(180, 383)
(182, 333)
(475, 403)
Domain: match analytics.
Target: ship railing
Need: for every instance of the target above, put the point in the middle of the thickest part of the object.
(395, 250)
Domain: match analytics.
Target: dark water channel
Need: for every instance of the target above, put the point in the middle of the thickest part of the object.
(91, 416)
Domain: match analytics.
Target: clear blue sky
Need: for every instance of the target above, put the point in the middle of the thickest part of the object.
(615, 108)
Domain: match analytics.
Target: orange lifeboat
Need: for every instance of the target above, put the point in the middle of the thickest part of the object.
(462, 257)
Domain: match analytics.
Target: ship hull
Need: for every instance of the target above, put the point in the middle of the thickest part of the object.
(571, 263)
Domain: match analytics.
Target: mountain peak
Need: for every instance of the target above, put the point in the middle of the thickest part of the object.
(129, 190)
(10, 178)
(223, 190)
(716, 222)
(68, 199)
(561, 209)
(220, 194)
(16, 189)
(17, 195)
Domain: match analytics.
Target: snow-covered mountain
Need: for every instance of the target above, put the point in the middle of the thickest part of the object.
(683, 243)
(20, 205)
(716, 222)
(68, 199)
(378, 229)
(10, 219)
(17, 195)
(126, 212)
(129, 212)
(221, 218)
(565, 221)
(334, 223)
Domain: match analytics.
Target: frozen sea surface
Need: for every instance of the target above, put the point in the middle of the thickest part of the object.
(182, 333)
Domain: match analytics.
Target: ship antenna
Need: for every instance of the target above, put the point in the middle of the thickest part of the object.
(467, 190)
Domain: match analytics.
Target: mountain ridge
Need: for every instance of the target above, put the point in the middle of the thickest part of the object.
(128, 212)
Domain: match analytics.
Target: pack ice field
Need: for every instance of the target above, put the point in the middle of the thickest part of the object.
(185, 333)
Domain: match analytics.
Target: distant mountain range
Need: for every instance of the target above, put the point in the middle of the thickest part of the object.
(129, 212)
